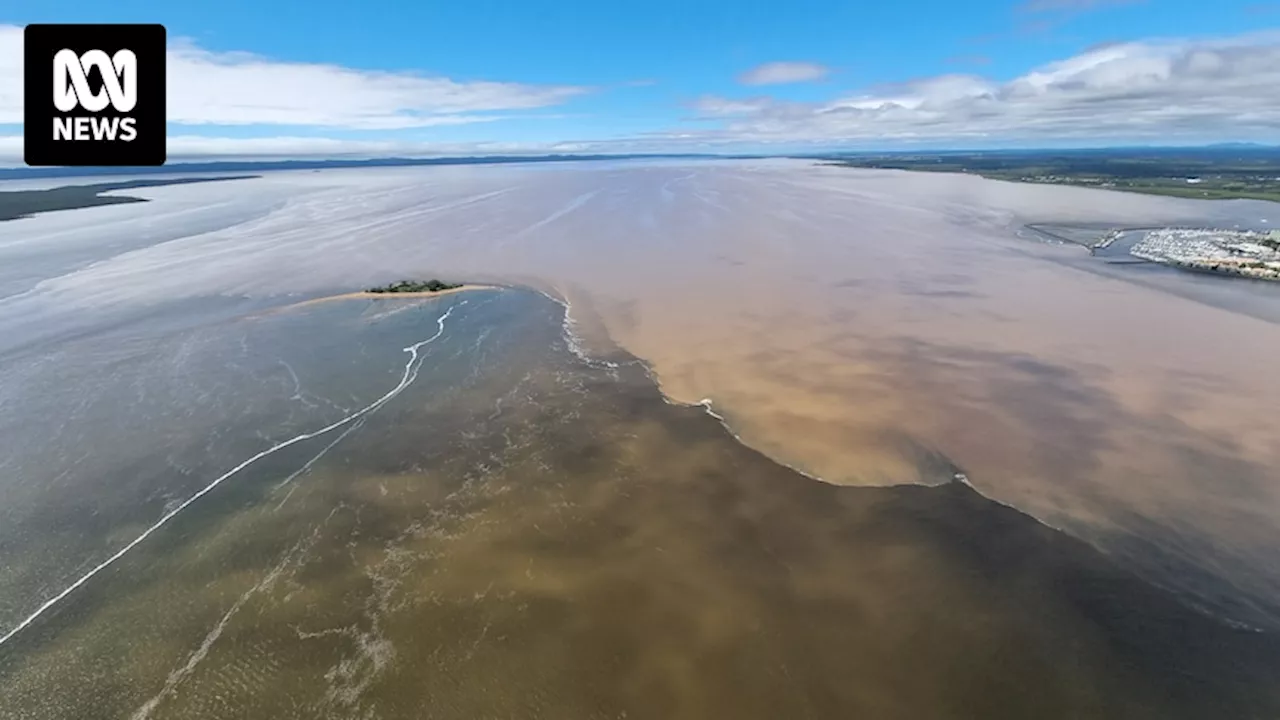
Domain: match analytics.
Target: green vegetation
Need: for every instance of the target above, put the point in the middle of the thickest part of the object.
(414, 286)
(1206, 190)
(1203, 173)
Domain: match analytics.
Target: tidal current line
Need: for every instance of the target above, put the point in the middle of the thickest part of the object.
(410, 374)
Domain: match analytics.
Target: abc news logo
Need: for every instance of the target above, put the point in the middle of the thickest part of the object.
(71, 90)
(107, 105)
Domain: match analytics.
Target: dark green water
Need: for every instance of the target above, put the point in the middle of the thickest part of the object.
(519, 533)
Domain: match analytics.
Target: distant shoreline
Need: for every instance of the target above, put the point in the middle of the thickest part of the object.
(1205, 173)
(257, 166)
(22, 204)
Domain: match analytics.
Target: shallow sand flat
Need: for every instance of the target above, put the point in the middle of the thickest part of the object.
(845, 322)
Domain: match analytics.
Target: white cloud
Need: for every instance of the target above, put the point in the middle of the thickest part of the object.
(1175, 91)
(242, 89)
(1159, 90)
(713, 106)
(10, 74)
(781, 73)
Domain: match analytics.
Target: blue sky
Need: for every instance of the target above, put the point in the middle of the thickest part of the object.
(490, 75)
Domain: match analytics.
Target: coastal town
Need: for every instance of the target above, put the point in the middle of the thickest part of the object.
(1246, 253)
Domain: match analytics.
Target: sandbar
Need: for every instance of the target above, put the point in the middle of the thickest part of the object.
(366, 295)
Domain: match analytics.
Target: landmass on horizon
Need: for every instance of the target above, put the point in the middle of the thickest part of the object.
(1211, 172)
(16, 204)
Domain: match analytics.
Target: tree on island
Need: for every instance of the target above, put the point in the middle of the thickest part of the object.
(414, 286)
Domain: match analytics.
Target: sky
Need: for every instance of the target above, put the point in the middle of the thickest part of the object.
(333, 78)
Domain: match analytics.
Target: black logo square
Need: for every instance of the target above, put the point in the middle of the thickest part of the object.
(94, 95)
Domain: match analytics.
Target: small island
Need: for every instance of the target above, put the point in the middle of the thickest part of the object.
(414, 286)
(404, 289)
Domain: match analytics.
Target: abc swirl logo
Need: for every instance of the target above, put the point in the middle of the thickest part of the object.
(71, 90)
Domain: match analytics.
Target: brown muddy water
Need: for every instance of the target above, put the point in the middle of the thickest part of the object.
(518, 532)
(869, 328)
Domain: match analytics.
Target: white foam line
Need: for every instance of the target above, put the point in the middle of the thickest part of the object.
(410, 373)
(963, 478)
(705, 404)
(178, 674)
(575, 347)
(571, 338)
(307, 465)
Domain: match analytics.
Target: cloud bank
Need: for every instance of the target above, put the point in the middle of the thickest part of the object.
(1159, 89)
(209, 88)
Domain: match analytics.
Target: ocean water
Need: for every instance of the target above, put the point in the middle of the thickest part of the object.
(490, 524)
(716, 478)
